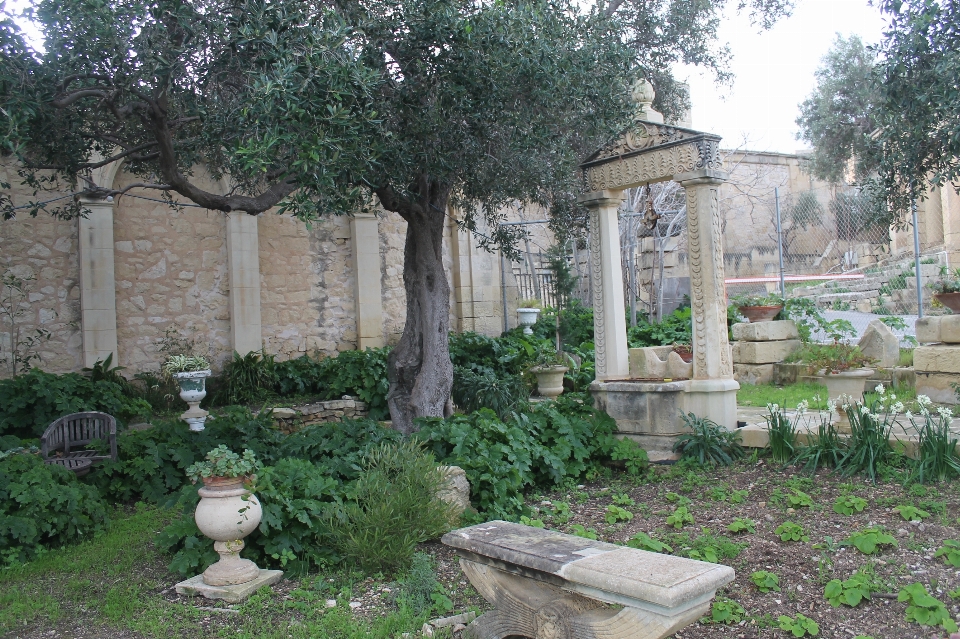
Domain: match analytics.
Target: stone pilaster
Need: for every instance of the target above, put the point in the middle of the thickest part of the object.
(365, 241)
(243, 263)
(712, 391)
(606, 276)
(98, 298)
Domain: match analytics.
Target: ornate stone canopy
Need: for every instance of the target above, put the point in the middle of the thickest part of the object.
(647, 153)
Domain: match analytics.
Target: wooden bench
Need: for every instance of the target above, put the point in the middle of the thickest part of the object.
(65, 440)
(550, 585)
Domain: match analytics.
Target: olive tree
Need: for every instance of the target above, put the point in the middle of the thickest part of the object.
(325, 106)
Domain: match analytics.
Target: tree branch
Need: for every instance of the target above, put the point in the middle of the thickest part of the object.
(78, 95)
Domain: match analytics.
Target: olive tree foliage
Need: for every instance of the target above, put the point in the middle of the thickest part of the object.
(432, 108)
(919, 109)
(838, 118)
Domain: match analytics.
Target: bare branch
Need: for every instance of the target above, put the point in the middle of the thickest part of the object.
(79, 95)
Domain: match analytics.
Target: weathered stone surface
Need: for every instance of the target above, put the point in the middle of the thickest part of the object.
(566, 581)
(765, 331)
(456, 488)
(937, 386)
(283, 413)
(784, 373)
(753, 373)
(880, 343)
(763, 352)
(936, 359)
(231, 594)
(658, 362)
(928, 330)
(950, 329)
(647, 412)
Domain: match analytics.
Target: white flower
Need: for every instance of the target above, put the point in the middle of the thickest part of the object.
(908, 415)
(946, 413)
(802, 407)
(892, 397)
(879, 389)
(864, 410)
(897, 408)
(923, 400)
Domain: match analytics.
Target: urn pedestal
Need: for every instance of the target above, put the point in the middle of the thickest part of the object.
(528, 317)
(227, 513)
(192, 391)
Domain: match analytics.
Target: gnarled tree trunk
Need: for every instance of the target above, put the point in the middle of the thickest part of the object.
(419, 368)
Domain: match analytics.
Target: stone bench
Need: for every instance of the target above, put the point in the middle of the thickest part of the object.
(550, 585)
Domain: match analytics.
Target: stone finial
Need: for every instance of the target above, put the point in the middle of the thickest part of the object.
(643, 95)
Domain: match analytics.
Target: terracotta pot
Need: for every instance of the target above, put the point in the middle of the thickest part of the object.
(549, 380)
(227, 513)
(685, 353)
(950, 300)
(528, 317)
(760, 313)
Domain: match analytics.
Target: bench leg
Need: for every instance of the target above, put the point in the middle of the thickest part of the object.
(533, 609)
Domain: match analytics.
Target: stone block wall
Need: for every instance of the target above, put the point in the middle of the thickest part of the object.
(44, 248)
(172, 272)
(936, 363)
(758, 346)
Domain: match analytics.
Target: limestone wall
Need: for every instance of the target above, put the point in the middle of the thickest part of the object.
(44, 248)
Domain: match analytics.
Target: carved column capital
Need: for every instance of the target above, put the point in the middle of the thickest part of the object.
(701, 176)
(601, 199)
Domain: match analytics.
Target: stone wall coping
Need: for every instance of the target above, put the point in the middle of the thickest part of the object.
(620, 386)
(610, 573)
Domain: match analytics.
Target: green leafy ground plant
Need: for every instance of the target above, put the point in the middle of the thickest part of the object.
(765, 581)
(849, 592)
(725, 611)
(911, 513)
(869, 540)
(615, 514)
(950, 551)
(849, 504)
(799, 626)
(742, 524)
(791, 531)
(925, 609)
(680, 517)
(643, 541)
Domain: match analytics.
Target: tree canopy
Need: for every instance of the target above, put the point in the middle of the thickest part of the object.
(919, 111)
(838, 118)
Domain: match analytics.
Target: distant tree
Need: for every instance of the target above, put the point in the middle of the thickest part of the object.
(315, 106)
(919, 107)
(838, 118)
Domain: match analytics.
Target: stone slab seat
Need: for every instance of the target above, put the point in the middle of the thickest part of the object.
(65, 440)
(549, 585)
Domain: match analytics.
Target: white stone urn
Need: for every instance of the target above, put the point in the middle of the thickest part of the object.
(549, 380)
(849, 383)
(192, 391)
(227, 513)
(528, 317)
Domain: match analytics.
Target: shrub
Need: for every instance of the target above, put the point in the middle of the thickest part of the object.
(543, 446)
(709, 443)
(359, 373)
(43, 506)
(30, 402)
(294, 495)
(676, 328)
(502, 394)
(825, 450)
(246, 379)
(394, 506)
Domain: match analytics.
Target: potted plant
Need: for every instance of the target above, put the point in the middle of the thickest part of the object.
(528, 311)
(228, 511)
(550, 366)
(758, 308)
(191, 373)
(946, 290)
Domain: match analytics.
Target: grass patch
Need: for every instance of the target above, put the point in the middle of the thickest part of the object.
(115, 582)
(906, 357)
(787, 396)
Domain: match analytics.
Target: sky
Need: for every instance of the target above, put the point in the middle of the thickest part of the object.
(774, 72)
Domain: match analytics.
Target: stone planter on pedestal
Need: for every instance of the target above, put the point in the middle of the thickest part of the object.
(936, 362)
(549, 380)
(227, 513)
(192, 391)
(849, 383)
(528, 317)
(759, 346)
